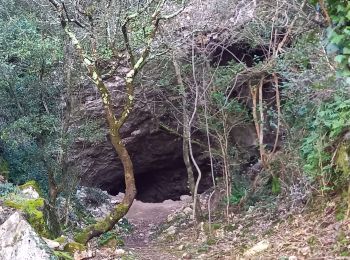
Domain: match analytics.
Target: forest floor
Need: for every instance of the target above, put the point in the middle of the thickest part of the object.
(275, 229)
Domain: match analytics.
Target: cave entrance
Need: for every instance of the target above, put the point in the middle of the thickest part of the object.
(240, 52)
(158, 185)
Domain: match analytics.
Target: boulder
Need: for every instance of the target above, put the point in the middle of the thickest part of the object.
(18, 241)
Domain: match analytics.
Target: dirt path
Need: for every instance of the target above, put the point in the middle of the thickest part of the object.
(146, 217)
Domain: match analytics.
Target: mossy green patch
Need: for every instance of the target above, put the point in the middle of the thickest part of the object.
(63, 255)
(60, 239)
(82, 236)
(110, 239)
(32, 209)
(74, 247)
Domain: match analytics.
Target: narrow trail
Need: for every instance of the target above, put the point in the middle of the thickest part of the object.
(146, 217)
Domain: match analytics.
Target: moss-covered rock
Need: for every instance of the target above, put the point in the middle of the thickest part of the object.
(31, 184)
(32, 209)
(73, 247)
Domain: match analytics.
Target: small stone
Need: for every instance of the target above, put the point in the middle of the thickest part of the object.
(220, 233)
(181, 215)
(181, 247)
(186, 256)
(120, 252)
(170, 218)
(305, 250)
(83, 255)
(114, 201)
(171, 230)
(187, 211)
(51, 244)
(292, 257)
(259, 247)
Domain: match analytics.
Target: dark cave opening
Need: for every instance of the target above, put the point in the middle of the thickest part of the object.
(238, 52)
(156, 185)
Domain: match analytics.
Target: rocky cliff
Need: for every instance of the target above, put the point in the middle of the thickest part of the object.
(155, 151)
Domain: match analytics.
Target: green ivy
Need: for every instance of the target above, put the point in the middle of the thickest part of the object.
(340, 14)
(339, 33)
(331, 120)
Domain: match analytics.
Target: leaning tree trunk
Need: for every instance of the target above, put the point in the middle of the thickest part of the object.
(121, 209)
(114, 123)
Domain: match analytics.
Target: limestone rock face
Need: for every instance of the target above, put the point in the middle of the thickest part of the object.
(18, 241)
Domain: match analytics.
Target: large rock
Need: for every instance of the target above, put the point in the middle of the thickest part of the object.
(18, 241)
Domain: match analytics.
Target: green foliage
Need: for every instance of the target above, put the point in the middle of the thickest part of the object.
(339, 34)
(331, 119)
(125, 226)
(63, 255)
(110, 238)
(231, 110)
(239, 190)
(7, 188)
(224, 75)
(73, 247)
(29, 92)
(276, 185)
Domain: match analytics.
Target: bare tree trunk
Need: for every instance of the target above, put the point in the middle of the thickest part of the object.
(196, 201)
(50, 213)
(185, 140)
(257, 94)
(262, 124)
(278, 106)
